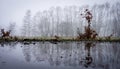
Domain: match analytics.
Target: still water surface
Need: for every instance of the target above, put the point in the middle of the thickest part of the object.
(62, 55)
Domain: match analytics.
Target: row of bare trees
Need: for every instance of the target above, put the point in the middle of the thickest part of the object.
(66, 21)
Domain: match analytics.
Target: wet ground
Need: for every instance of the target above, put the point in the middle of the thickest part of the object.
(62, 55)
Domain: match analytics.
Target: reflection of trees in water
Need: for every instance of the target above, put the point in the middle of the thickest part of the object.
(41, 51)
(88, 60)
(27, 52)
(104, 55)
(86, 54)
(10, 44)
(116, 52)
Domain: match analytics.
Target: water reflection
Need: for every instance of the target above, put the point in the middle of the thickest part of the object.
(78, 55)
(88, 58)
(2, 44)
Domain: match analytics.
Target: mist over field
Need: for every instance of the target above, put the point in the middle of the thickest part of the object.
(61, 17)
(59, 34)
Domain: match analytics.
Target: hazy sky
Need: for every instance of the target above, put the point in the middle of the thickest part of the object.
(14, 10)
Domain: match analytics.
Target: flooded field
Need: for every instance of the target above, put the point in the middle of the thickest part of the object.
(62, 55)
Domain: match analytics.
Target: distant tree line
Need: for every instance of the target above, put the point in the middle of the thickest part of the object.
(68, 21)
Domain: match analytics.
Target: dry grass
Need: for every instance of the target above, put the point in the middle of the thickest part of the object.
(100, 39)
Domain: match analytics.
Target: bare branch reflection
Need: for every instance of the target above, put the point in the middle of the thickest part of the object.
(86, 54)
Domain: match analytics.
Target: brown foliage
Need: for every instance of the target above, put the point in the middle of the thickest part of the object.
(5, 33)
(88, 15)
(56, 37)
(89, 33)
(81, 36)
(94, 35)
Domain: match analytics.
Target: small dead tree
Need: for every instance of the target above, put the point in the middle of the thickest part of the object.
(89, 33)
(5, 34)
(56, 37)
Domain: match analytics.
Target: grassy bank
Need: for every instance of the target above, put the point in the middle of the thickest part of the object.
(61, 39)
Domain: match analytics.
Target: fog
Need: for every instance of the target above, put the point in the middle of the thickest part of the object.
(14, 10)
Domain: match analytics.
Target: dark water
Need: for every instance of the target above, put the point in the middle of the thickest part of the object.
(66, 55)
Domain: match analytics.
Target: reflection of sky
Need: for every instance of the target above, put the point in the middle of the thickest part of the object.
(48, 56)
(14, 10)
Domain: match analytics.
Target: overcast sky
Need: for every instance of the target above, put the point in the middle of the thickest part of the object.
(14, 10)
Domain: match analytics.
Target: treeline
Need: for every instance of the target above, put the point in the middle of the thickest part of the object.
(66, 21)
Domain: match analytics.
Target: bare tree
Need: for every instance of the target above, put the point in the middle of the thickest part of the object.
(65, 21)
(26, 30)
